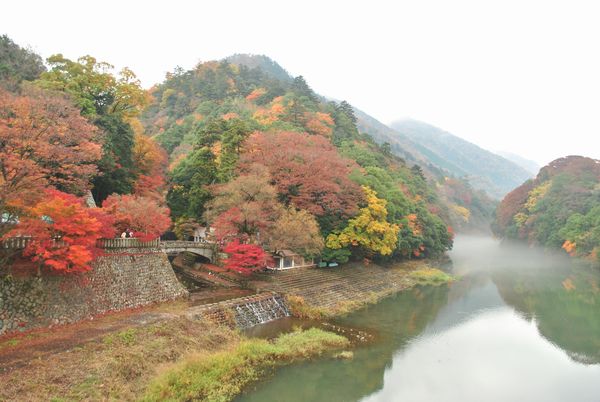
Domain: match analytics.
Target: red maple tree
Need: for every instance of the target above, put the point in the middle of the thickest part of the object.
(150, 162)
(245, 258)
(63, 232)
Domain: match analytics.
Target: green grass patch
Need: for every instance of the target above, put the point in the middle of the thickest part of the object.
(430, 276)
(10, 343)
(222, 376)
(126, 337)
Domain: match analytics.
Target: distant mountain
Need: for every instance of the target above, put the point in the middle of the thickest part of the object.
(400, 144)
(261, 62)
(470, 210)
(483, 169)
(526, 164)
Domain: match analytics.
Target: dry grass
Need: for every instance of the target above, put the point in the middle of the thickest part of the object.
(299, 308)
(222, 376)
(116, 367)
(178, 359)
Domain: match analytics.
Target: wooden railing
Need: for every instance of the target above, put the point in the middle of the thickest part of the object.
(16, 243)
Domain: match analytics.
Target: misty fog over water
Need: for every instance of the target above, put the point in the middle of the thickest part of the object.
(520, 324)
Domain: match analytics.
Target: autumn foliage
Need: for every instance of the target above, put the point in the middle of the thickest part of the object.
(307, 171)
(558, 209)
(150, 162)
(44, 142)
(245, 258)
(64, 232)
(369, 230)
(143, 215)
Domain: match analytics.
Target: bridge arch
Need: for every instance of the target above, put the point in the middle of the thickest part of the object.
(203, 250)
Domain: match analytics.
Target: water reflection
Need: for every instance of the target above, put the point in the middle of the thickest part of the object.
(496, 356)
(522, 324)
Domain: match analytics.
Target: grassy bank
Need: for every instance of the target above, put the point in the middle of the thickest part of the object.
(222, 376)
(430, 277)
(178, 359)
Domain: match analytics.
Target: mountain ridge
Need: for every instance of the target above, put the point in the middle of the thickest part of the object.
(484, 169)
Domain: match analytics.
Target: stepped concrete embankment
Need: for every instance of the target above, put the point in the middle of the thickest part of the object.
(334, 289)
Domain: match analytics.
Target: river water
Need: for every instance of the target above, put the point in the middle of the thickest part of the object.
(520, 325)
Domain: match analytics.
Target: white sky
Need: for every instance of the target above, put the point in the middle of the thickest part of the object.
(521, 76)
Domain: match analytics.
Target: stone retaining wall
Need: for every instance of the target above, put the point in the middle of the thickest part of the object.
(118, 281)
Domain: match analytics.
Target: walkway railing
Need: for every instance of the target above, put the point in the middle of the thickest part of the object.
(19, 243)
(184, 244)
(127, 243)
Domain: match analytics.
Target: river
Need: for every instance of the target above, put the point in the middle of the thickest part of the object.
(520, 325)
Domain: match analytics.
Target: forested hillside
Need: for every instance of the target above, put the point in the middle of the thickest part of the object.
(559, 208)
(264, 158)
(250, 151)
(529, 165)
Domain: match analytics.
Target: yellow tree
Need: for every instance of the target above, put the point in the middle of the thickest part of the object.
(369, 229)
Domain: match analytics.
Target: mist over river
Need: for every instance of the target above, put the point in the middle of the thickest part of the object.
(521, 324)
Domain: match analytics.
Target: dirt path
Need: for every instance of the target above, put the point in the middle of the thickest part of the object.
(17, 350)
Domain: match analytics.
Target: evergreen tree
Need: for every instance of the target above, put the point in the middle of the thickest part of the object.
(189, 193)
(17, 64)
(116, 165)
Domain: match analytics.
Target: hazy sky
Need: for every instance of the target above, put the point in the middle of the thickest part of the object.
(522, 76)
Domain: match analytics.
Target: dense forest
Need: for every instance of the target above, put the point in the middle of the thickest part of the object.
(263, 158)
(238, 145)
(559, 208)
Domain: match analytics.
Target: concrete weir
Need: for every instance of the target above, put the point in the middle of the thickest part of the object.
(244, 312)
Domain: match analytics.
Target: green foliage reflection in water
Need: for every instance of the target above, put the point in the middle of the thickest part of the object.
(560, 303)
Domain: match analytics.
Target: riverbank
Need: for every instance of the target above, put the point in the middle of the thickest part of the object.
(159, 353)
(329, 292)
(171, 359)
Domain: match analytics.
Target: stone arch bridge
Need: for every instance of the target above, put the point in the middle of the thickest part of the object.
(208, 250)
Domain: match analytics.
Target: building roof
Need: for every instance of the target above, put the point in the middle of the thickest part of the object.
(286, 253)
